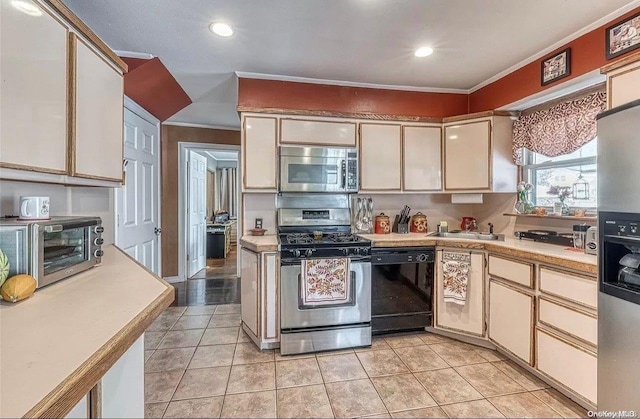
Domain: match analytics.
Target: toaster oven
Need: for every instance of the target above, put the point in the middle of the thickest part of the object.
(54, 249)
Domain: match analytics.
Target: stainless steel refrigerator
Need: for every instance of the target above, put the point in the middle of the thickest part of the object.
(619, 258)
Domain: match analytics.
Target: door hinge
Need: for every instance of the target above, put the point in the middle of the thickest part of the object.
(118, 220)
(188, 257)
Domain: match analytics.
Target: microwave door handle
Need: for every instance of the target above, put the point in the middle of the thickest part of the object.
(343, 167)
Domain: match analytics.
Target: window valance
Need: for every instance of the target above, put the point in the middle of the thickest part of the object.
(561, 129)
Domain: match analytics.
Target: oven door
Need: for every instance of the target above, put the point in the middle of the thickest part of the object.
(313, 169)
(63, 250)
(295, 315)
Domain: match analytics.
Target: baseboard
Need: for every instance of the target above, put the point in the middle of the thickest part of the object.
(173, 279)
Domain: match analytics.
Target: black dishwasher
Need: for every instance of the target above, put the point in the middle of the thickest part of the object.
(401, 289)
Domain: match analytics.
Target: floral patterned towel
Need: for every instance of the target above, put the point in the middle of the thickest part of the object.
(325, 281)
(456, 275)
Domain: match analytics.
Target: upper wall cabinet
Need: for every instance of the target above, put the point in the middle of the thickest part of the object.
(99, 112)
(33, 91)
(623, 81)
(317, 133)
(259, 154)
(422, 158)
(477, 155)
(380, 157)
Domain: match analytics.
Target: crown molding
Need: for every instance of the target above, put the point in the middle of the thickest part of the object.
(133, 54)
(600, 22)
(190, 125)
(278, 77)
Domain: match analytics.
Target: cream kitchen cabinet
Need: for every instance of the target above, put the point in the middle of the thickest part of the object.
(468, 318)
(122, 387)
(421, 158)
(477, 155)
(317, 133)
(259, 297)
(33, 91)
(623, 81)
(259, 153)
(80, 410)
(380, 157)
(97, 142)
(511, 319)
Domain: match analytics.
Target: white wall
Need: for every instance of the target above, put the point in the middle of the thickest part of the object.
(65, 200)
(259, 205)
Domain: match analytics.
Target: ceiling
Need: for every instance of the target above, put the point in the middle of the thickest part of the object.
(364, 41)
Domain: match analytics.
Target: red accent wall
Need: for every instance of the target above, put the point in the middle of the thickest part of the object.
(150, 84)
(587, 54)
(321, 97)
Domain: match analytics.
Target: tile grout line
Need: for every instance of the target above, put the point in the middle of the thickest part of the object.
(371, 381)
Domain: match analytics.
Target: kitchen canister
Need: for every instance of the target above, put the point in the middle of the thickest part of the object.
(382, 225)
(418, 223)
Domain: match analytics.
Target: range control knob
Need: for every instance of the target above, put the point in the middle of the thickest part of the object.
(98, 253)
(296, 253)
(98, 229)
(345, 251)
(622, 228)
(634, 229)
(98, 241)
(308, 252)
(422, 257)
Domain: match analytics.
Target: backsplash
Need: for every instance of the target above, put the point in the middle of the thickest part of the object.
(65, 200)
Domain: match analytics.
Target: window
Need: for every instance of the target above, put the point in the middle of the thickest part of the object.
(563, 171)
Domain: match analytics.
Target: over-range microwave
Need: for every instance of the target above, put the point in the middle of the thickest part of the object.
(318, 169)
(54, 249)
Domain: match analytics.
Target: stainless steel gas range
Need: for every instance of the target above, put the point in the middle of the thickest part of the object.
(329, 307)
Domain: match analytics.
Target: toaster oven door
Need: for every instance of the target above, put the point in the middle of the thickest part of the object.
(64, 250)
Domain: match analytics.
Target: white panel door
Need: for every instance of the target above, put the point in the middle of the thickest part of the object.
(138, 199)
(197, 235)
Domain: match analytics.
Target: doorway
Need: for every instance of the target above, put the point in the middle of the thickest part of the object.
(209, 207)
(137, 202)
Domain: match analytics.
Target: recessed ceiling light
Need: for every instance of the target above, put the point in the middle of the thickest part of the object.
(27, 7)
(423, 52)
(221, 29)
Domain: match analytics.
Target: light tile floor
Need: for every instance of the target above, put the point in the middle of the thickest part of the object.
(200, 364)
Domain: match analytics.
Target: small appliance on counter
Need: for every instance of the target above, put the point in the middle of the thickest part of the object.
(591, 243)
(547, 236)
(580, 235)
(52, 250)
(220, 217)
(33, 208)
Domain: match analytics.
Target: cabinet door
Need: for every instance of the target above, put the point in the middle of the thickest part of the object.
(249, 286)
(321, 133)
(380, 157)
(511, 320)
(422, 158)
(270, 304)
(80, 410)
(624, 85)
(97, 143)
(33, 90)
(467, 318)
(122, 387)
(467, 148)
(259, 153)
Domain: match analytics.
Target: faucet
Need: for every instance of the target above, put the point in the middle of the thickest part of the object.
(490, 228)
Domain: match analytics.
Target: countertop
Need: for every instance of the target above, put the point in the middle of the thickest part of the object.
(524, 249)
(58, 343)
(266, 243)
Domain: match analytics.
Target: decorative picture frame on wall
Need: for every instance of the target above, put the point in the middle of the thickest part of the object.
(555, 67)
(623, 36)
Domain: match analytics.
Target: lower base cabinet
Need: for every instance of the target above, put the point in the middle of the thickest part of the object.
(511, 319)
(80, 410)
(122, 387)
(259, 296)
(569, 364)
(467, 318)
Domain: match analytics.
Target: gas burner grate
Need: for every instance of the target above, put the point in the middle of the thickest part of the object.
(343, 238)
(299, 238)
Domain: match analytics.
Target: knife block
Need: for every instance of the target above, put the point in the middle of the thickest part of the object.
(402, 228)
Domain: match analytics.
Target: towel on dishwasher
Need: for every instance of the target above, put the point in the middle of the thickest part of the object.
(325, 281)
(456, 276)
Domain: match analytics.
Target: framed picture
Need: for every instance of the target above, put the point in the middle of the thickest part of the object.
(623, 36)
(555, 67)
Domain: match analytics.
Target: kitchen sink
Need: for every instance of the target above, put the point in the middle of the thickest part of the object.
(469, 235)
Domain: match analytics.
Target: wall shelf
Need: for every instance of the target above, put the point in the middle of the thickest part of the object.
(592, 219)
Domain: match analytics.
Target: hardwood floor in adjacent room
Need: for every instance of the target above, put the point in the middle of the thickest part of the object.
(220, 268)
